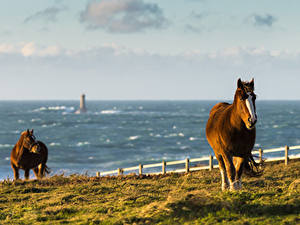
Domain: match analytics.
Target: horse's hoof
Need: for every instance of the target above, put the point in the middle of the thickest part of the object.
(234, 186)
(224, 187)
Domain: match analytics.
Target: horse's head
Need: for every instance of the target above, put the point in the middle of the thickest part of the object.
(29, 141)
(245, 100)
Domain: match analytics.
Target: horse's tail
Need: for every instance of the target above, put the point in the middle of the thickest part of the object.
(47, 169)
(252, 168)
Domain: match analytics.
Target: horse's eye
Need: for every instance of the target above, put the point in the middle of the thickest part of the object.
(245, 96)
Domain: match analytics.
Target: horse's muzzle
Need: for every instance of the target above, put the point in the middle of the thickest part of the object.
(251, 124)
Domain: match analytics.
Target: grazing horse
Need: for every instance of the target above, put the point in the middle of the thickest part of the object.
(230, 131)
(28, 153)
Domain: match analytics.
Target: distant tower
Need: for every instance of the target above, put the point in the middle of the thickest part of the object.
(82, 108)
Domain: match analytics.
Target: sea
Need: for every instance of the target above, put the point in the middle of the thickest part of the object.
(120, 134)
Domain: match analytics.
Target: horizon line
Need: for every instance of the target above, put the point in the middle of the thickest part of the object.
(3, 100)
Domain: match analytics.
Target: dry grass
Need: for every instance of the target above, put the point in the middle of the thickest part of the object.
(193, 198)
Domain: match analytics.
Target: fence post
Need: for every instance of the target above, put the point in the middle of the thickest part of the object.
(260, 152)
(140, 169)
(120, 171)
(286, 155)
(163, 167)
(187, 165)
(211, 162)
(98, 174)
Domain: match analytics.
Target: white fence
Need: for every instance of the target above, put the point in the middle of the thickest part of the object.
(187, 162)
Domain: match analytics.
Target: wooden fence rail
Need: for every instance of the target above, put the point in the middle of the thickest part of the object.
(210, 160)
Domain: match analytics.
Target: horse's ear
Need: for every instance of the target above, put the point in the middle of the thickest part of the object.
(31, 132)
(239, 83)
(252, 83)
(27, 131)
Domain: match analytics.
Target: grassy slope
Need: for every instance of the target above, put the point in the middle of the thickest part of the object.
(193, 198)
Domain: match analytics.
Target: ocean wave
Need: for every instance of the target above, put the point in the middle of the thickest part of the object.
(82, 143)
(110, 111)
(54, 144)
(193, 138)
(51, 125)
(181, 134)
(35, 120)
(55, 108)
(171, 135)
(6, 146)
(131, 138)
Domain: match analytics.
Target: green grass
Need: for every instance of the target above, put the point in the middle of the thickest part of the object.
(193, 198)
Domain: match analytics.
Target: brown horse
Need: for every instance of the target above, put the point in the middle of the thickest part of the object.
(28, 153)
(230, 131)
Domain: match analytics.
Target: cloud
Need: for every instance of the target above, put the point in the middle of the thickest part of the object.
(263, 20)
(30, 49)
(117, 72)
(123, 16)
(48, 15)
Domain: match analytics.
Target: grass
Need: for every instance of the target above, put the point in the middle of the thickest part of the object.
(193, 198)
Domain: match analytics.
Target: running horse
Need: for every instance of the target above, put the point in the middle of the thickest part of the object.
(230, 131)
(28, 153)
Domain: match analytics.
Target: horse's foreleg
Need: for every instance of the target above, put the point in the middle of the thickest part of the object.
(16, 171)
(230, 170)
(225, 183)
(239, 165)
(26, 174)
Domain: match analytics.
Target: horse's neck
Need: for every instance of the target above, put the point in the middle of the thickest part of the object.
(19, 146)
(235, 119)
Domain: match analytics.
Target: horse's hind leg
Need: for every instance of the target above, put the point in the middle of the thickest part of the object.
(224, 178)
(230, 169)
(36, 172)
(239, 165)
(42, 168)
(26, 174)
(16, 171)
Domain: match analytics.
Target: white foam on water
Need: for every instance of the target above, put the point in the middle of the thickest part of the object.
(91, 157)
(171, 135)
(6, 146)
(35, 119)
(111, 111)
(82, 143)
(131, 138)
(174, 127)
(107, 141)
(21, 121)
(50, 125)
(7, 158)
(275, 126)
(193, 138)
(181, 134)
(54, 108)
(54, 144)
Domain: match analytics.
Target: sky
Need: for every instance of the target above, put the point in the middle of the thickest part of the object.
(148, 49)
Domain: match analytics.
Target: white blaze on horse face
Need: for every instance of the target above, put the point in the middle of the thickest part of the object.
(250, 106)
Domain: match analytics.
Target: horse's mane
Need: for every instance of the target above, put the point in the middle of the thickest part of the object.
(20, 141)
